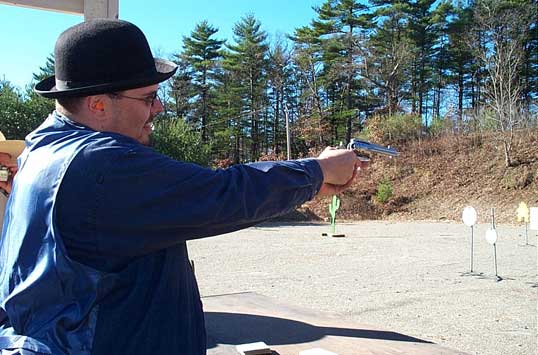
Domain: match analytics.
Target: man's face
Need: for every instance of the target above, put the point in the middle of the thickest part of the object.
(5, 160)
(134, 111)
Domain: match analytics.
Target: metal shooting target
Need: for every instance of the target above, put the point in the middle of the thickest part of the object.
(491, 236)
(469, 216)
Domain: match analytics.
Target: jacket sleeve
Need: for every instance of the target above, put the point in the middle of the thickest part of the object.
(138, 201)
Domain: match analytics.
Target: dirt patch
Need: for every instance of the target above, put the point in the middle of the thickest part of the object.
(434, 179)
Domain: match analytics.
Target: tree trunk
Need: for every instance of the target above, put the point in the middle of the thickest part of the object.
(507, 151)
(414, 89)
(460, 100)
(275, 122)
(204, 106)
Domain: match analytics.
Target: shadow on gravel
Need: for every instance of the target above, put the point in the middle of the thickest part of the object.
(278, 224)
(235, 328)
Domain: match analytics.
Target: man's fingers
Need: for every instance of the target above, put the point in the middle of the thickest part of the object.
(329, 189)
(5, 186)
(362, 163)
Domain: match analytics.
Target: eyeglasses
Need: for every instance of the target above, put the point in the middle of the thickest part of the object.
(149, 100)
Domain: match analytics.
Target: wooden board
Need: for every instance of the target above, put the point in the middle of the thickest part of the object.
(249, 317)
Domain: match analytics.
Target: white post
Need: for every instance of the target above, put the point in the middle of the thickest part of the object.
(101, 9)
(288, 144)
(533, 220)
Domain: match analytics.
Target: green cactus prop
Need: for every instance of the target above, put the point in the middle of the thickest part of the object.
(333, 207)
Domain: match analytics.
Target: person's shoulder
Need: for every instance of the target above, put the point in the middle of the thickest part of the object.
(106, 148)
(113, 144)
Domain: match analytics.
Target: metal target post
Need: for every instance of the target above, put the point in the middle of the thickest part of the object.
(469, 217)
(526, 233)
(472, 244)
(495, 260)
(491, 238)
(495, 242)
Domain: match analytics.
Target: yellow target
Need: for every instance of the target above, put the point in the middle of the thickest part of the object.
(523, 213)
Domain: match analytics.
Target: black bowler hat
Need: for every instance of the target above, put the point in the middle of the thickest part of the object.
(101, 56)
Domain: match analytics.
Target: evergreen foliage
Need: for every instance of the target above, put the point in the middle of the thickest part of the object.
(174, 138)
(384, 191)
(388, 70)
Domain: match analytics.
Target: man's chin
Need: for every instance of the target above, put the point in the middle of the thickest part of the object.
(149, 141)
(144, 137)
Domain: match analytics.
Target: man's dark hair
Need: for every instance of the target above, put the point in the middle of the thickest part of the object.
(70, 104)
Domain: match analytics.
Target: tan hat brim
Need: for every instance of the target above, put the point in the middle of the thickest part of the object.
(14, 148)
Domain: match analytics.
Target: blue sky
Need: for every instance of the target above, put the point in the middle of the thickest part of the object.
(28, 35)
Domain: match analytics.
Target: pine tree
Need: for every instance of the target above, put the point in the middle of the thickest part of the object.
(181, 90)
(388, 53)
(426, 20)
(460, 63)
(45, 71)
(279, 74)
(228, 125)
(248, 59)
(529, 72)
(20, 114)
(307, 59)
(201, 54)
(339, 25)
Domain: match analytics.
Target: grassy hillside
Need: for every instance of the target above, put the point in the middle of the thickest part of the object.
(435, 179)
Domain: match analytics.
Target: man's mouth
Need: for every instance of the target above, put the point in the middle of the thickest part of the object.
(149, 124)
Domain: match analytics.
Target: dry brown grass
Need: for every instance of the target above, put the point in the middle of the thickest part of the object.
(434, 179)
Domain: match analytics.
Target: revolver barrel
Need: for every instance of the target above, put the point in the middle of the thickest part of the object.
(372, 147)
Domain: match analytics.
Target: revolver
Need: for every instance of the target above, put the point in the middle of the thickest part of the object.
(357, 145)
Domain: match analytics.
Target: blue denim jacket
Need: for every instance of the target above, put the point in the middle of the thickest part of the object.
(93, 253)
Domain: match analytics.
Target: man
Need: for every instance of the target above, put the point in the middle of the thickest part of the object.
(9, 151)
(94, 257)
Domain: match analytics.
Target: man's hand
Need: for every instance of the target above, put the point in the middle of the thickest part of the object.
(5, 160)
(339, 168)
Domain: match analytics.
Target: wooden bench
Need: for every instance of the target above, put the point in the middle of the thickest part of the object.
(249, 317)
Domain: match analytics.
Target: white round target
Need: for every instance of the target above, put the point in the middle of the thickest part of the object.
(469, 216)
(491, 236)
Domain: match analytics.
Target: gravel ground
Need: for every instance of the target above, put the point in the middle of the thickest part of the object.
(412, 278)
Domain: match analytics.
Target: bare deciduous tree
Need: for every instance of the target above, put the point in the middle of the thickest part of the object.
(498, 40)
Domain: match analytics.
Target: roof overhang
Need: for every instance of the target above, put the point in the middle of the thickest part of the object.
(89, 8)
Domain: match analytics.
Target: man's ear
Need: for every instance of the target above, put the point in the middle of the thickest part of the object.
(97, 104)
